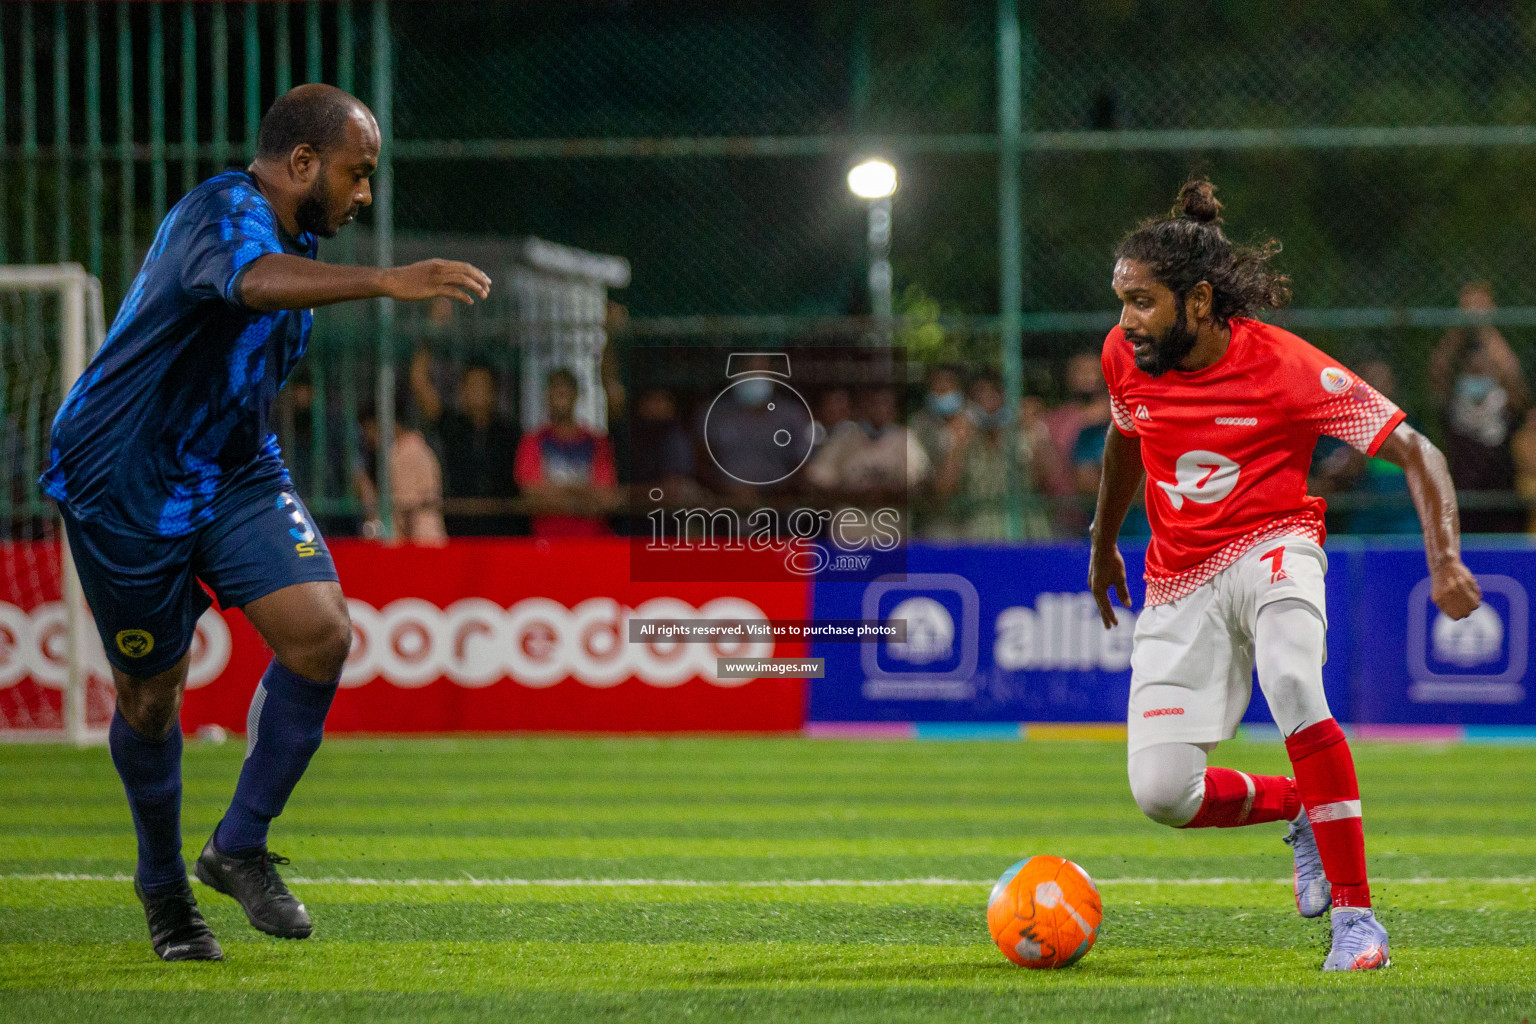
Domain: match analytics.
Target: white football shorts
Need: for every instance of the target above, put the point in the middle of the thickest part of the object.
(1192, 659)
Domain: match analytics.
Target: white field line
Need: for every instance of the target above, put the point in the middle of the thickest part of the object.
(784, 883)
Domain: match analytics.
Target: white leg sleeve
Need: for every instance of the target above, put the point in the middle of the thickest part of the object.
(1168, 781)
(1290, 647)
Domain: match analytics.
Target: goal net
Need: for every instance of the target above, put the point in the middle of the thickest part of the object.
(54, 680)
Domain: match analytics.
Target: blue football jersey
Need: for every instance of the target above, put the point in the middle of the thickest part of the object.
(170, 423)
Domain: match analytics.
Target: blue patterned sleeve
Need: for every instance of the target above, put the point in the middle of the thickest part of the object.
(237, 226)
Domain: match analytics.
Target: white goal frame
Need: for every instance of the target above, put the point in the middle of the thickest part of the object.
(82, 330)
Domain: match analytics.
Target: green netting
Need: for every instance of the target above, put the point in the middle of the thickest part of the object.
(1232, 65)
(707, 144)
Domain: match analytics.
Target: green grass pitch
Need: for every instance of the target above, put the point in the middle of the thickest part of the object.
(731, 870)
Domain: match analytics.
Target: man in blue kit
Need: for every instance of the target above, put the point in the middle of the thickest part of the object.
(167, 473)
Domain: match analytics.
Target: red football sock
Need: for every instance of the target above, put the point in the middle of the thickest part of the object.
(1325, 776)
(1235, 798)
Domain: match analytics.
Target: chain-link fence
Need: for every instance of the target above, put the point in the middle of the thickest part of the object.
(1389, 147)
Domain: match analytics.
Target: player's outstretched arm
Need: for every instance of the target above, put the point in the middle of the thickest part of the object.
(1452, 586)
(282, 281)
(1118, 484)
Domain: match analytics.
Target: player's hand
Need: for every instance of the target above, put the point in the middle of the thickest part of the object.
(1106, 569)
(1454, 590)
(433, 279)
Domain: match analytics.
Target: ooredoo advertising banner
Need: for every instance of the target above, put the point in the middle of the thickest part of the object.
(488, 635)
(482, 635)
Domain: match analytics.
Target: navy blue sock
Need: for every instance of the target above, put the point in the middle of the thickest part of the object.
(282, 732)
(151, 774)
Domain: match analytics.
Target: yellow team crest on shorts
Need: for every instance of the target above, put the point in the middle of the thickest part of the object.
(135, 643)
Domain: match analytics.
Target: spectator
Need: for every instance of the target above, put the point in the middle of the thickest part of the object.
(1076, 429)
(1082, 468)
(615, 394)
(1385, 504)
(479, 445)
(662, 452)
(942, 402)
(878, 460)
(740, 426)
(1523, 447)
(1086, 406)
(565, 470)
(415, 479)
(987, 452)
(834, 413)
(1480, 390)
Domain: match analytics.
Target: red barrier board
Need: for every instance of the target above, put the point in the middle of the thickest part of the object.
(494, 635)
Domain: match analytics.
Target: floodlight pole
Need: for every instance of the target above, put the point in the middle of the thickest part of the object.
(384, 240)
(1010, 118)
(880, 303)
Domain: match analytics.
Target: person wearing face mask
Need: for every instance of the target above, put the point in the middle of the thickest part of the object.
(989, 450)
(747, 431)
(1480, 389)
(943, 400)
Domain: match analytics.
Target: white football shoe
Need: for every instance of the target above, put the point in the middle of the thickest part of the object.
(1359, 941)
(1313, 893)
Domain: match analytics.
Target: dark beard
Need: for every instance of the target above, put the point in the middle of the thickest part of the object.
(1168, 353)
(311, 213)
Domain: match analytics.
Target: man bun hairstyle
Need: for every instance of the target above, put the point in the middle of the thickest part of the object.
(1198, 202)
(1188, 246)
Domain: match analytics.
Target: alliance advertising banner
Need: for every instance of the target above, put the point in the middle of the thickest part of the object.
(1001, 634)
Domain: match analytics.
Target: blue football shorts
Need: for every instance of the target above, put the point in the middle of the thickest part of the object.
(144, 591)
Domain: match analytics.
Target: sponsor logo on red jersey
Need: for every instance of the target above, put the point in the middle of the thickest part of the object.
(1334, 380)
(1202, 477)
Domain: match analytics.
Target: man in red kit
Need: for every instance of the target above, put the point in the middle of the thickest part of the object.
(565, 470)
(1221, 413)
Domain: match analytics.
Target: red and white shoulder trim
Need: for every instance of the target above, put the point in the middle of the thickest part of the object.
(1121, 415)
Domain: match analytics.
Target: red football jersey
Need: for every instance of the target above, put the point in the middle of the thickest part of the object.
(1227, 448)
